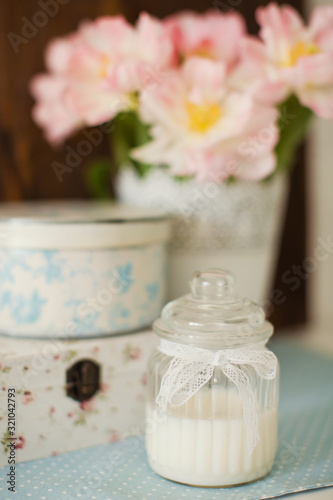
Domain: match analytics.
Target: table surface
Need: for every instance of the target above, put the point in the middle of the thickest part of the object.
(319, 338)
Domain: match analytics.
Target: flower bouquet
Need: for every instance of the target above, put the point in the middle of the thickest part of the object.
(198, 109)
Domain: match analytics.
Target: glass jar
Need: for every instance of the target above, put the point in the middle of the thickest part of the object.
(212, 405)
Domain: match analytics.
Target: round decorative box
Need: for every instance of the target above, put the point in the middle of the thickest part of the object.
(80, 269)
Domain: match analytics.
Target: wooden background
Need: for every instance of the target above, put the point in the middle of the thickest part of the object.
(25, 158)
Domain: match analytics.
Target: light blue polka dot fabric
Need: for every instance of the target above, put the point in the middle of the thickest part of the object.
(120, 470)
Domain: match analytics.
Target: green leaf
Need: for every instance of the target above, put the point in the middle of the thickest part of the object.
(98, 178)
(182, 178)
(129, 132)
(230, 180)
(293, 123)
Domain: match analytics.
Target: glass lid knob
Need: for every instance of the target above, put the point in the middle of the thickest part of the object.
(213, 284)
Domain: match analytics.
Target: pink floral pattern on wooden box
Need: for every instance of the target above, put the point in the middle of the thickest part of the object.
(49, 422)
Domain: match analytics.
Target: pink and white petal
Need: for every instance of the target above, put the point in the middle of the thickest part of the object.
(46, 87)
(162, 150)
(194, 162)
(188, 31)
(110, 35)
(253, 50)
(279, 21)
(252, 65)
(265, 89)
(268, 92)
(57, 122)
(215, 166)
(319, 100)
(154, 42)
(258, 169)
(213, 34)
(291, 21)
(259, 140)
(59, 51)
(281, 28)
(316, 70)
(164, 103)
(92, 104)
(88, 64)
(154, 152)
(263, 124)
(50, 111)
(183, 161)
(127, 75)
(202, 163)
(227, 30)
(144, 65)
(57, 132)
(205, 78)
(255, 75)
(321, 27)
(238, 111)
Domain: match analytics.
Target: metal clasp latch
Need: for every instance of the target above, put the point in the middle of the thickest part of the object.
(83, 380)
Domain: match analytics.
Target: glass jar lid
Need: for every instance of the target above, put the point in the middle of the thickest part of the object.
(213, 315)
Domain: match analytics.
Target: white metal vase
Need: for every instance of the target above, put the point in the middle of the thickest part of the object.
(233, 226)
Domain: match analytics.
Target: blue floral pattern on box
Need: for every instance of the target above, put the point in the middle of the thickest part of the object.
(70, 293)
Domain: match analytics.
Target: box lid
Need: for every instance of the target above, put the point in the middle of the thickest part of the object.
(32, 364)
(79, 225)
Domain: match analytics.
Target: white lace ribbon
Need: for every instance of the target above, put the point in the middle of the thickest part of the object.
(192, 367)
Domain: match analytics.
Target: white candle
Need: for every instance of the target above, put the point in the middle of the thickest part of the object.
(210, 450)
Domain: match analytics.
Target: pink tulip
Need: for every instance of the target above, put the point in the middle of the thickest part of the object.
(213, 35)
(290, 58)
(55, 110)
(95, 72)
(86, 64)
(202, 128)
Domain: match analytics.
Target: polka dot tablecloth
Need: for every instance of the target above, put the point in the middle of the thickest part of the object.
(120, 471)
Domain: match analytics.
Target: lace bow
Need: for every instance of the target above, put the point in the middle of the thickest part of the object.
(193, 367)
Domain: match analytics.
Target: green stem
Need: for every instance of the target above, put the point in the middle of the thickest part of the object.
(294, 122)
(129, 132)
